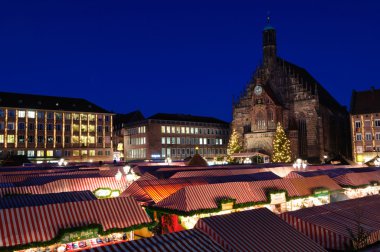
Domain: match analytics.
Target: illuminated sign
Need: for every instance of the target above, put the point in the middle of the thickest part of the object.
(277, 198)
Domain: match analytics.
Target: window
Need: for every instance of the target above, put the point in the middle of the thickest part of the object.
(40, 126)
(67, 127)
(58, 116)
(21, 126)
(66, 153)
(358, 137)
(31, 139)
(49, 153)
(163, 140)
(50, 115)
(11, 139)
(187, 130)
(50, 139)
(75, 153)
(260, 121)
(21, 139)
(50, 126)
(40, 139)
(100, 140)
(1, 113)
(1, 138)
(68, 117)
(21, 113)
(31, 126)
(100, 128)
(76, 117)
(67, 139)
(91, 118)
(107, 118)
(377, 122)
(178, 130)
(83, 117)
(107, 129)
(58, 127)
(168, 140)
(100, 153)
(40, 153)
(40, 115)
(30, 153)
(377, 136)
(368, 136)
(358, 124)
(11, 113)
(91, 153)
(58, 139)
(167, 129)
(163, 152)
(31, 114)
(183, 130)
(11, 126)
(1, 125)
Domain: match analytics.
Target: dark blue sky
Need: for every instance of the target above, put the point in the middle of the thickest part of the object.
(180, 56)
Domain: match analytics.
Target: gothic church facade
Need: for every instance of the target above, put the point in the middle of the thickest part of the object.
(279, 91)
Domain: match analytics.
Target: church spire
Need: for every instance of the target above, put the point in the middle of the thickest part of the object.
(269, 43)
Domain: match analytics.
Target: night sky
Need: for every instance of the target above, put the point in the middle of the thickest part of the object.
(187, 57)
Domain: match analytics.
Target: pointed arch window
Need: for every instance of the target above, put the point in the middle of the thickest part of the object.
(260, 121)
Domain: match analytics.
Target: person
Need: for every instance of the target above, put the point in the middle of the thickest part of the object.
(124, 236)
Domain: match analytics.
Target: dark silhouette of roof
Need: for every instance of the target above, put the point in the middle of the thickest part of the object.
(197, 160)
(44, 102)
(365, 102)
(132, 117)
(186, 118)
(325, 98)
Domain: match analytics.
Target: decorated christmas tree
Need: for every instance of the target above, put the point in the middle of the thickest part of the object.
(281, 146)
(234, 145)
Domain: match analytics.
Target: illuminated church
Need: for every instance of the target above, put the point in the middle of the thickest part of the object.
(280, 91)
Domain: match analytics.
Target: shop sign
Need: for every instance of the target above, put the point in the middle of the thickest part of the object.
(103, 192)
(227, 206)
(277, 198)
(319, 193)
(80, 235)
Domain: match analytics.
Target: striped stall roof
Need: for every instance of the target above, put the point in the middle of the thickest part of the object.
(184, 241)
(67, 185)
(212, 173)
(358, 178)
(306, 186)
(331, 173)
(329, 225)
(205, 196)
(42, 223)
(255, 230)
(45, 199)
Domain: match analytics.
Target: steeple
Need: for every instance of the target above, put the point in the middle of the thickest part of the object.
(269, 44)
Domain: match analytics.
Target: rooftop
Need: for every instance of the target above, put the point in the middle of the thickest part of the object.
(186, 118)
(365, 102)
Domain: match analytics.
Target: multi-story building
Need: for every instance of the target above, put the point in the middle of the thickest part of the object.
(282, 92)
(365, 124)
(48, 128)
(176, 136)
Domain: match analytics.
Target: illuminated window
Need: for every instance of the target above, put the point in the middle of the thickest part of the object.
(178, 130)
(10, 138)
(40, 153)
(75, 153)
(84, 128)
(58, 116)
(49, 153)
(75, 139)
(1, 138)
(163, 129)
(91, 153)
(187, 130)
(31, 114)
(83, 140)
(168, 140)
(84, 152)
(167, 129)
(30, 153)
(91, 117)
(91, 139)
(196, 131)
(91, 128)
(75, 117)
(192, 130)
(183, 130)
(50, 139)
(83, 117)
(120, 147)
(67, 116)
(21, 113)
(75, 127)
(21, 139)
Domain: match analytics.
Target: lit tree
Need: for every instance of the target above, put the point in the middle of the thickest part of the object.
(281, 146)
(234, 145)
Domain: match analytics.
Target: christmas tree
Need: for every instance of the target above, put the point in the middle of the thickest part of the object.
(281, 146)
(234, 145)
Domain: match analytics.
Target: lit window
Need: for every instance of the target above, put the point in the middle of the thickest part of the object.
(183, 130)
(167, 129)
(91, 153)
(31, 114)
(49, 153)
(10, 138)
(21, 113)
(75, 153)
(1, 138)
(40, 153)
(187, 130)
(30, 153)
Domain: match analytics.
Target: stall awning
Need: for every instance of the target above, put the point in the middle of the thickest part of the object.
(184, 241)
(255, 230)
(42, 223)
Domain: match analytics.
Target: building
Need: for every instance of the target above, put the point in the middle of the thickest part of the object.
(365, 124)
(175, 136)
(120, 120)
(282, 92)
(46, 128)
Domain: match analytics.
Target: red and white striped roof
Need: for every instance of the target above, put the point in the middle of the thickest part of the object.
(358, 178)
(184, 241)
(255, 230)
(198, 197)
(68, 185)
(328, 224)
(42, 223)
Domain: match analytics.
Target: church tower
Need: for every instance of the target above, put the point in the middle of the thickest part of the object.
(269, 44)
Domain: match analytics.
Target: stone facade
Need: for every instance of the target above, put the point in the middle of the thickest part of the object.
(316, 124)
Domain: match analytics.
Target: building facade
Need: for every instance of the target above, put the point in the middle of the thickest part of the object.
(175, 136)
(48, 128)
(365, 124)
(281, 92)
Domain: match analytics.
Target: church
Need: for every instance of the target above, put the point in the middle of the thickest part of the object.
(282, 92)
